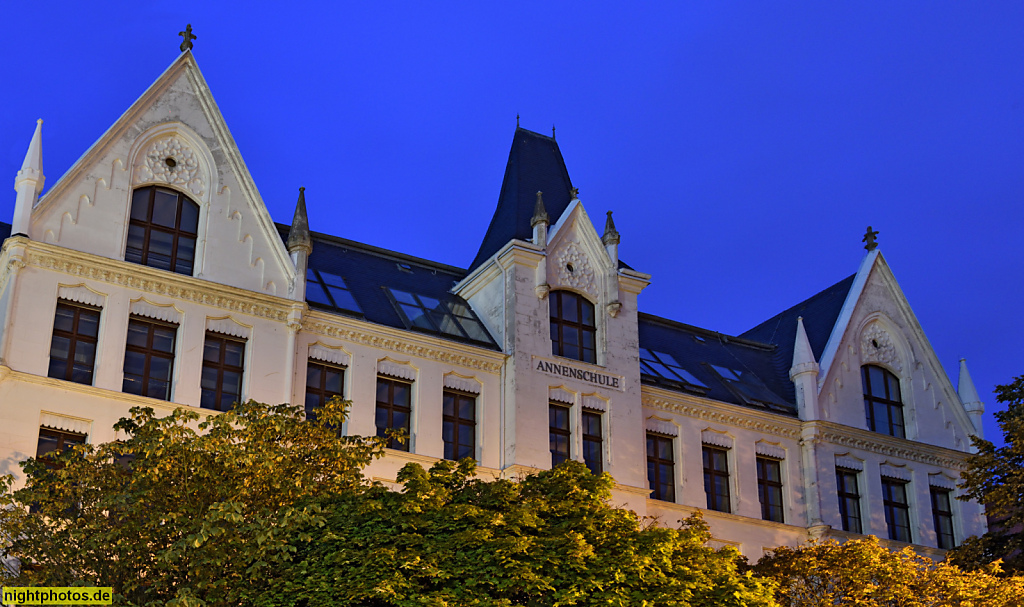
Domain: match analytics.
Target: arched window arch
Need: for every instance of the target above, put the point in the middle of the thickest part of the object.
(162, 230)
(883, 403)
(573, 332)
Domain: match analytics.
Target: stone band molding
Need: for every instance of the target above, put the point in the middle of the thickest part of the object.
(713, 411)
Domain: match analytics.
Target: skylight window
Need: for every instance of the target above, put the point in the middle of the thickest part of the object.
(327, 290)
(663, 365)
(749, 388)
(429, 314)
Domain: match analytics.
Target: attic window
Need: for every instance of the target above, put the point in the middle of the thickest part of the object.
(404, 267)
(699, 339)
(749, 388)
(327, 290)
(453, 317)
(664, 366)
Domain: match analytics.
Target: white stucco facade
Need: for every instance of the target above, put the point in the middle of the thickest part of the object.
(69, 245)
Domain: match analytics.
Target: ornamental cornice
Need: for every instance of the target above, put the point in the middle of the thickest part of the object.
(723, 413)
(854, 438)
(401, 344)
(146, 280)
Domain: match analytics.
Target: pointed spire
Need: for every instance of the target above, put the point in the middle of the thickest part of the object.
(969, 397)
(298, 235)
(802, 352)
(34, 156)
(540, 214)
(965, 387)
(611, 235)
(29, 183)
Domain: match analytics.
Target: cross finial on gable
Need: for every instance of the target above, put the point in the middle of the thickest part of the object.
(187, 38)
(870, 240)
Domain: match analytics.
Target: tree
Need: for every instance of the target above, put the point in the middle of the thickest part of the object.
(995, 478)
(550, 539)
(863, 573)
(259, 507)
(181, 509)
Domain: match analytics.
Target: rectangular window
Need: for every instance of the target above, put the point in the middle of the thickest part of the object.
(323, 382)
(73, 345)
(558, 433)
(223, 364)
(394, 408)
(458, 425)
(56, 442)
(769, 488)
(716, 478)
(897, 509)
(149, 358)
(849, 500)
(593, 453)
(942, 514)
(661, 467)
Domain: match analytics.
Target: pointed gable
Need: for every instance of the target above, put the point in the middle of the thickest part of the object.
(173, 136)
(535, 164)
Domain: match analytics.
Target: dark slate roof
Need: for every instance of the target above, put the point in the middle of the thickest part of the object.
(696, 350)
(5, 230)
(535, 164)
(819, 312)
(367, 270)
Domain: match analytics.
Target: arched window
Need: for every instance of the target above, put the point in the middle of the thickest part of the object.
(573, 333)
(162, 230)
(883, 404)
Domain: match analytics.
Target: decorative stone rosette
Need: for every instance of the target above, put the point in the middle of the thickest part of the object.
(574, 269)
(172, 161)
(876, 346)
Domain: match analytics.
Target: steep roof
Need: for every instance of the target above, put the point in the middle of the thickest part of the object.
(820, 313)
(534, 165)
(714, 361)
(5, 231)
(376, 278)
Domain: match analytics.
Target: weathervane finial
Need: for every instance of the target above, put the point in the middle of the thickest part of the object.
(187, 38)
(517, 121)
(870, 239)
(552, 131)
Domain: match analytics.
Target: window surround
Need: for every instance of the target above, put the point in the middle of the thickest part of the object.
(78, 342)
(222, 366)
(765, 485)
(460, 424)
(944, 540)
(895, 409)
(390, 406)
(554, 410)
(149, 353)
(558, 325)
(892, 507)
(142, 221)
(849, 522)
(321, 390)
(715, 501)
(658, 461)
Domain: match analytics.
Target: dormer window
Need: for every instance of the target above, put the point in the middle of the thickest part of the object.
(573, 333)
(162, 230)
(883, 405)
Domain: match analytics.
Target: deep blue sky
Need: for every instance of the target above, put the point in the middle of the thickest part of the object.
(744, 146)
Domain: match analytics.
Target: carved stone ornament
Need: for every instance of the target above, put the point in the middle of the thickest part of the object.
(170, 160)
(574, 269)
(876, 347)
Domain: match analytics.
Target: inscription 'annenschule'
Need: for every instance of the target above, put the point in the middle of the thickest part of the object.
(598, 379)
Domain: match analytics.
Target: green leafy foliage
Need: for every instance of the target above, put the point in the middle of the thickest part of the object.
(863, 573)
(995, 477)
(550, 539)
(182, 510)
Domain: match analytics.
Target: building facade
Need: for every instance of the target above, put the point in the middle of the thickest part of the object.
(152, 274)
